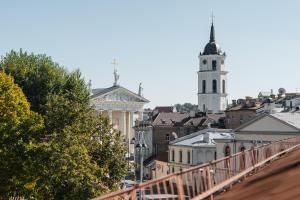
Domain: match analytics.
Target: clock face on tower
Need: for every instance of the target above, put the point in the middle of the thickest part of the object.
(204, 62)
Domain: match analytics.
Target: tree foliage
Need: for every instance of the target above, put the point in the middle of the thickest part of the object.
(19, 138)
(186, 107)
(80, 155)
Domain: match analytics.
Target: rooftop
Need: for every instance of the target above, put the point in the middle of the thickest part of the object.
(289, 117)
(279, 180)
(203, 137)
(170, 119)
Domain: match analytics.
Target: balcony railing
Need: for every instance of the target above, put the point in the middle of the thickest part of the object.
(205, 180)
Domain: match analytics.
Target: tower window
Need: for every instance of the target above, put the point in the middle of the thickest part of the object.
(203, 86)
(214, 86)
(223, 86)
(214, 65)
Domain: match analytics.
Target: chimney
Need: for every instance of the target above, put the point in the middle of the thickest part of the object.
(233, 102)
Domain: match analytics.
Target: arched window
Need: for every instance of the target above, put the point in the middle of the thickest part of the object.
(243, 148)
(203, 86)
(214, 86)
(223, 86)
(227, 151)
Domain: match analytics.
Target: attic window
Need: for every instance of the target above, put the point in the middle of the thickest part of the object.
(163, 121)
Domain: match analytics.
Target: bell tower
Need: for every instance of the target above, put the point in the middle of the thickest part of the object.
(212, 77)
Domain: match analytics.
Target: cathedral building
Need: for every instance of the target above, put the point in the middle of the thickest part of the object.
(212, 80)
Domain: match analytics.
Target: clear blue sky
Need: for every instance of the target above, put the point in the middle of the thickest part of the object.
(157, 42)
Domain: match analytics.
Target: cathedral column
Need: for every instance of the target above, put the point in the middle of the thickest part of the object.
(140, 116)
(110, 116)
(130, 129)
(123, 124)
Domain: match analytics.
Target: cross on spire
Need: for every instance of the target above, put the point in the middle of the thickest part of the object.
(212, 16)
(114, 63)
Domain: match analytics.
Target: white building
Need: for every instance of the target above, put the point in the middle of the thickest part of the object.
(195, 149)
(121, 106)
(212, 80)
(263, 129)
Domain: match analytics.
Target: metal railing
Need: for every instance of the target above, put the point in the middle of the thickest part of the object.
(203, 181)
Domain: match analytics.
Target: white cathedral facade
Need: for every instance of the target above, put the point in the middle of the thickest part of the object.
(212, 77)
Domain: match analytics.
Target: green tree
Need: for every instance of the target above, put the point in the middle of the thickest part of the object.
(72, 164)
(19, 139)
(186, 107)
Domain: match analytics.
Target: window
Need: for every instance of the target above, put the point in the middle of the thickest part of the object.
(223, 86)
(167, 137)
(227, 151)
(214, 65)
(243, 148)
(204, 108)
(173, 170)
(203, 86)
(188, 157)
(214, 86)
(173, 155)
(180, 156)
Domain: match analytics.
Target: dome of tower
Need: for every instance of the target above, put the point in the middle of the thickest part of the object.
(212, 48)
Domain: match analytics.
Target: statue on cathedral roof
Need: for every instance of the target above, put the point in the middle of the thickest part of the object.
(116, 77)
(140, 89)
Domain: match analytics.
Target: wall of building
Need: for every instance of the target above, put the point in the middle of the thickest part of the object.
(236, 118)
(203, 154)
(160, 142)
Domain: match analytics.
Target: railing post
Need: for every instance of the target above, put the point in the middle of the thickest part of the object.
(180, 188)
(209, 180)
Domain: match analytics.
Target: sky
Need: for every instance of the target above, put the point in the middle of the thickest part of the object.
(157, 42)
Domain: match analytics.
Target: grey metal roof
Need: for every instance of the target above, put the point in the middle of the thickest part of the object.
(203, 137)
(292, 118)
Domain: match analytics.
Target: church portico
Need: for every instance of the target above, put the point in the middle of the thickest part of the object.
(121, 106)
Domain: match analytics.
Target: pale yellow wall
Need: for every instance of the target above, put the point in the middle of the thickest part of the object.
(268, 124)
(161, 169)
(184, 154)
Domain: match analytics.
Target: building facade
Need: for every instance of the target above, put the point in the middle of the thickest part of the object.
(263, 129)
(212, 77)
(121, 106)
(195, 149)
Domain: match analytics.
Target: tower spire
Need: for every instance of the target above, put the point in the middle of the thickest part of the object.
(212, 29)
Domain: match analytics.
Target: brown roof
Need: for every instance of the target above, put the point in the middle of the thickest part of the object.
(216, 117)
(279, 180)
(245, 107)
(197, 121)
(165, 109)
(170, 119)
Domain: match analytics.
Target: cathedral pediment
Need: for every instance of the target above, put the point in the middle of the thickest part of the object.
(116, 94)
